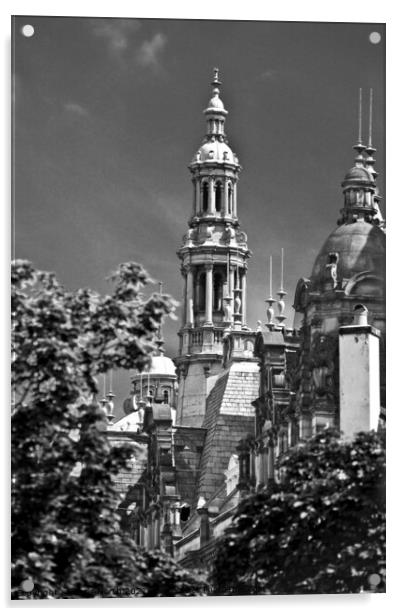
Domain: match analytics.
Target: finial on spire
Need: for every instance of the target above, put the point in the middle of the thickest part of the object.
(270, 301)
(281, 293)
(359, 116)
(370, 161)
(215, 80)
(359, 147)
(370, 119)
(110, 404)
(159, 342)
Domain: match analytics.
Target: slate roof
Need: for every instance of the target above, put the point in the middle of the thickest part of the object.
(229, 417)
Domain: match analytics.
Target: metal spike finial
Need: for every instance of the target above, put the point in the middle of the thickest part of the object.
(370, 160)
(370, 135)
(270, 300)
(159, 342)
(215, 80)
(359, 147)
(281, 318)
(109, 406)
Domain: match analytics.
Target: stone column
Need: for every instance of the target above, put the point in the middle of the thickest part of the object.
(226, 197)
(244, 298)
(211, 195)
(194, 196)
(232, 280)
(184, 297)
(270, 463)
(257, 460)
(190, 299)
(264, 464)
(235, 199)
(208, 294)
(197, 197)
(157, 531)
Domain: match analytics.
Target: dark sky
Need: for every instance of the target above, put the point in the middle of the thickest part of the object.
(108, 114)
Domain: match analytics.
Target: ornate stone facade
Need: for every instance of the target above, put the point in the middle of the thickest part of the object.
(244, 397)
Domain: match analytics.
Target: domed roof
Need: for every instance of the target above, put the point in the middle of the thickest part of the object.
(358, 174)
(162, 365)
(216, 103)
(361, 248)
(216, 151)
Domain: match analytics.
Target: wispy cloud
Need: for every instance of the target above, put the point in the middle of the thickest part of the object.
(148, 54)
(115, 32)
(76, 109)
(268, 74)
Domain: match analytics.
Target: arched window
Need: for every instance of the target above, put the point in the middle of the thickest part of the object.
(218, 196)
(166, 396)
(204, 197)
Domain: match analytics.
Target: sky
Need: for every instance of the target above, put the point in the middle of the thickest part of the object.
(108, 115)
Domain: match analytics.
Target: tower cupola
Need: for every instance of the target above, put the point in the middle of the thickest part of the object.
(213, 257)
(215, 112)
(215, 167)
(361, 198)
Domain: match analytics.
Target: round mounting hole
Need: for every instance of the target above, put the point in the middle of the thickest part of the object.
(28, 30)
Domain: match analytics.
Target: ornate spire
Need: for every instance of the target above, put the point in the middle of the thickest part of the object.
(160, 341)
(359, 147)
(215, 112)
(270, 301)
(359, 186)
(370, 161)
(110, 404)
(281, 318)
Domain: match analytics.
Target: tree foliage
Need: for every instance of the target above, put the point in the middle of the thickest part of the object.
(66, 537)
(320, 530)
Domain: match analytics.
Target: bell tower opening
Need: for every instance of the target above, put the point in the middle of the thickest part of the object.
(204, 197)
(218, 197)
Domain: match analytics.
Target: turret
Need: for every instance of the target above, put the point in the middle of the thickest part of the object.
(213, 259)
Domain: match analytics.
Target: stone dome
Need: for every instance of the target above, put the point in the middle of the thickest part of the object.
(361, 249)
(358, 174)
(162, 365)
(216, 103)
(216, 151)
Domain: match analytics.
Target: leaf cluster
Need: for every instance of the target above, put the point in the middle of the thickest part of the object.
(320, 530)
(66, 534)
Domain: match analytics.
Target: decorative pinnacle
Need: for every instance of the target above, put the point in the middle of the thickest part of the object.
(270, 313)
(215, 80)
(281, 293)
(359, 147)
(159, 342)
(370, 161)
(281, 306)
(270, 301)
